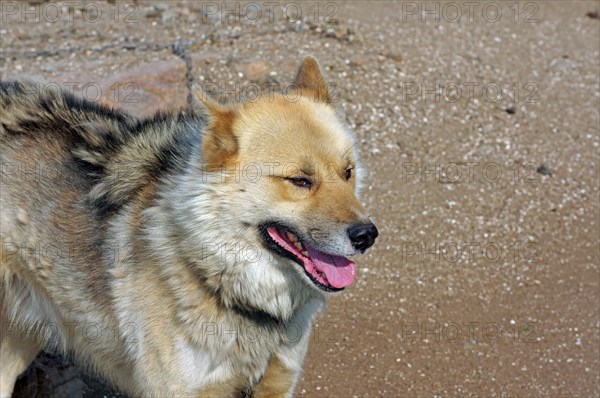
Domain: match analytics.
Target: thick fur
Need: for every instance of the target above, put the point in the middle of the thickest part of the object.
(135, 245)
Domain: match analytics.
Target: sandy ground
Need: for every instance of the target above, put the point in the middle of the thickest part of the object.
(479, 123)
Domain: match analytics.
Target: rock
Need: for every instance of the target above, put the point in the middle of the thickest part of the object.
(142, 90)
(329, 32)
(151, 12)
(147, 88)
(563, 64)
(358, 62)
(156, 10)
(169, 16)
(390, 55)
(544, 170)
(342, 33)
(161, 6)
(593, 15)
(394, 57)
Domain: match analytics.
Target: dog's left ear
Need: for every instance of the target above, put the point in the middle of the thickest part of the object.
(309, 81)
(219, 144)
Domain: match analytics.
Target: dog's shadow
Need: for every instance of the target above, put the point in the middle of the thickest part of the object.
(53, 376)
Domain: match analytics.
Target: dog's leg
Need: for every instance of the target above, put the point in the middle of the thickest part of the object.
(220, 391)
(17, 347)
(285, 366)
(17, 351)
(278, 381)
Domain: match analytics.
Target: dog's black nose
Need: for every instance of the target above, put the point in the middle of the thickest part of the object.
(363, 236)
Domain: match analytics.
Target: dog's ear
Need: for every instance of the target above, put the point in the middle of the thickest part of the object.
(219, 144)
(310, 82)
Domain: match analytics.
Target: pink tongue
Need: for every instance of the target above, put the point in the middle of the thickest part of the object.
(339, 270)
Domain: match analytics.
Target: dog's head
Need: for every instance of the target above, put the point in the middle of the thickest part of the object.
(281, 182)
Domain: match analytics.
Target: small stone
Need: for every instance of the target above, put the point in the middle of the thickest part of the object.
(358, 62)
(395, 57)
(161, 6)
(330, 32)
(169, 16)
(563, 64)
(342, 33)
(593, 14)
(152, 13)
(543, 170)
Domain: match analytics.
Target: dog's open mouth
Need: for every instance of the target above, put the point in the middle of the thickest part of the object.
(327, 271)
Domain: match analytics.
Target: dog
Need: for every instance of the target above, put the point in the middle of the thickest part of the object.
(180, 255)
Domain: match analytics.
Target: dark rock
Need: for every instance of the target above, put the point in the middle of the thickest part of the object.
(543, 170)
(593, 14)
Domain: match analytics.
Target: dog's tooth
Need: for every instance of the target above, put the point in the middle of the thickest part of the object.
(293, 238)
(298, 246)
(304, 253)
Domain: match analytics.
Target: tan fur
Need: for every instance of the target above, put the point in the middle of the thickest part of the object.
(136, 245)
(310, 83)
(276, 382)
(16, 352)
(219, 148)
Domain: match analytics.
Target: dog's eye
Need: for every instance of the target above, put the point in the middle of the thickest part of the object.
(301, 182)
(348, 173)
